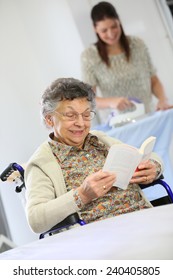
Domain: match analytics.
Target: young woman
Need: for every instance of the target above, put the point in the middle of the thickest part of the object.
(118, 65)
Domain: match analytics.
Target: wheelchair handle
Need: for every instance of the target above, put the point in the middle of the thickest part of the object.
(10, 169)
(66, 223)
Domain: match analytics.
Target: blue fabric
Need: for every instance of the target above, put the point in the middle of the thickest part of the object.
(159, 124)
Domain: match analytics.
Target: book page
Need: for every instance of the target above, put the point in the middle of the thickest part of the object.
(123, 160)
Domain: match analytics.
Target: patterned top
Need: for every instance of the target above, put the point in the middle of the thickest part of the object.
(123, 78)
(77, 164)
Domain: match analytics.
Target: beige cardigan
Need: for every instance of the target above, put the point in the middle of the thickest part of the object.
(48, 201)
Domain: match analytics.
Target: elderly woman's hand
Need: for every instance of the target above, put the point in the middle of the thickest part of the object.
(96, 185)
(146, 173)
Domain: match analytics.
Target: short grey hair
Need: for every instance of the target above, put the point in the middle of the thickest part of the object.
(65, 89)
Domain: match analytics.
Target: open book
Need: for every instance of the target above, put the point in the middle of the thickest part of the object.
(123, 159)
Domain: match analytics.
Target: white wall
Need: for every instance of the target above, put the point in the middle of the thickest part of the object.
(40, 41)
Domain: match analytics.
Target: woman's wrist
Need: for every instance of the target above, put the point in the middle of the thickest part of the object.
(105, 102)
(78, 199)
(158, 168)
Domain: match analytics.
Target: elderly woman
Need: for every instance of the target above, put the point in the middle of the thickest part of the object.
(65, 173)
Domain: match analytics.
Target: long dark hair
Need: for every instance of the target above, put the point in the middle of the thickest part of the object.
(100, 12)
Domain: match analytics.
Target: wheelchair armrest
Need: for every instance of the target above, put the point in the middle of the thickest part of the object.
(66, 223)
(163, 184)
(70, 220)
(157, 181)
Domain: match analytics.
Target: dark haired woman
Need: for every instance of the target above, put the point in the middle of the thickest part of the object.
(119, 66)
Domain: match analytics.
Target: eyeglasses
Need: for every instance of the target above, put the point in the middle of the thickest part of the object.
(71, 116)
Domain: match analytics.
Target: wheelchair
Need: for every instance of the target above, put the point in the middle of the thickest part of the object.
(74, 218)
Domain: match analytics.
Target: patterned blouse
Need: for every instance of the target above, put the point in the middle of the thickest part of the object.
(77, 164)
(122, 78)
